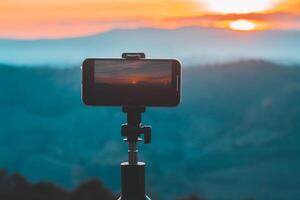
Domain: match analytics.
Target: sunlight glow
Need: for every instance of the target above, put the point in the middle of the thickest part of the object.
(133, 82)
(239, 6)
(242, 25)
(34, 19)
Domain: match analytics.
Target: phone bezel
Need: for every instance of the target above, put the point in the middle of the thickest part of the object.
(92, 98)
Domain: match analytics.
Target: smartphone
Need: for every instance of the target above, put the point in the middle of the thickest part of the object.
(126, 82)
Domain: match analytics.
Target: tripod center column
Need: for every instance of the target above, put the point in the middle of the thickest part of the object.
(132, 153)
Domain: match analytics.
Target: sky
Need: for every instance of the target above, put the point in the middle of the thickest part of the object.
(33, 19)
(134, 72)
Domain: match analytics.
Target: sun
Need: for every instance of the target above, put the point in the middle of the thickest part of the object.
(239, 6)
(242, 25)
(133, 82)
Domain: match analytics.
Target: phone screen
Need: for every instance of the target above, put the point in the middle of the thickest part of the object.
(133, 74)
(142, 82)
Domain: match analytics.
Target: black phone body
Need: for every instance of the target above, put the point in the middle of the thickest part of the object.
(126, 82)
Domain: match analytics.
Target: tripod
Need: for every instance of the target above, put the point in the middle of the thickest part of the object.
(132, 171)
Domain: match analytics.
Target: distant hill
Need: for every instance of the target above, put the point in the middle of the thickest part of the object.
(193, 45)
(16, 187)
(234, 136)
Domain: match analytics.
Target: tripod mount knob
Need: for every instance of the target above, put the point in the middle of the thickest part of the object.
(133, 133)
(147, 134)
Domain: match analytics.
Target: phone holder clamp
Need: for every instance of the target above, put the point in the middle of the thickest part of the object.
(133, 56)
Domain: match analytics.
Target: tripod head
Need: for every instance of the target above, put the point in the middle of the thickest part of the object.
(133, 129)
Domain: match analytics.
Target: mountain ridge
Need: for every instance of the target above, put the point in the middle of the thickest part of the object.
(193, 45)
(235, 131)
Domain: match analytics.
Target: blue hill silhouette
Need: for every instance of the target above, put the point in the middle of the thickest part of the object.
(15, 187)
(235, 135)
(193, 45)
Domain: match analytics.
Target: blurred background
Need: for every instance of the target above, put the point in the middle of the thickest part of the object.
(236, 134)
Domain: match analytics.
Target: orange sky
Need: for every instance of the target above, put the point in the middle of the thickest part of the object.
(32, 19)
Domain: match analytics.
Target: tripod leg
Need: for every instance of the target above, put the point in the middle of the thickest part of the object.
(146, 198)
(133, 182)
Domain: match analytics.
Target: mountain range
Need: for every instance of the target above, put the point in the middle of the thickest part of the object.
(235, 134)
(193, 45)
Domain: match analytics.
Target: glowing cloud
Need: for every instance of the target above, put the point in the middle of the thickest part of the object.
(33, 19)
(242, 25)
(239, 6)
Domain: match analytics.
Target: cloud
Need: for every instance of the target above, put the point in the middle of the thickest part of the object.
(58, 19)
(279, 20)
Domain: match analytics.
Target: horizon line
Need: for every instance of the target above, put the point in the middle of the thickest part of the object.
(135, 29)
